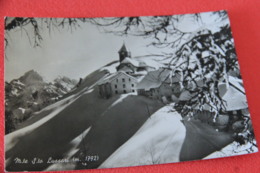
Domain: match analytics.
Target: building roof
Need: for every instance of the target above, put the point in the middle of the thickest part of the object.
(154, 79)
(110, 78)
(185, 95)
(235, 96)
(130, 61)
(126, 69)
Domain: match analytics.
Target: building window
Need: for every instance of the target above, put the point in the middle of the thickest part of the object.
(124, 91)
(116, 80)
(129, 79)
(115, 86)
(133, 91)
(116, 92)
(133, 85)
(123, 79)
(123, 85)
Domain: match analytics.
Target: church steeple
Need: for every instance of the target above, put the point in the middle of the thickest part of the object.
(123, 48)
(123, 53)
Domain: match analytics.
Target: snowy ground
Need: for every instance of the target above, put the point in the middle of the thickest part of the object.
(111, 68)
(74, 148)
(233, 149)
(159, 140)
(12, 138)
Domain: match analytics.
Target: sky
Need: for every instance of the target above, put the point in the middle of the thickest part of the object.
(78, 53)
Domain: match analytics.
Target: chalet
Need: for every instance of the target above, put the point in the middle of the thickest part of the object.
(117, 83)
(160, 84)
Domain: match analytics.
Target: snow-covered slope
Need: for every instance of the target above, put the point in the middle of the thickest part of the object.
(111, 67)
(159, 140)
(12, 138)
(234, 149)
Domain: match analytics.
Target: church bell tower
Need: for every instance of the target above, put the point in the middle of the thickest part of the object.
(123, 53)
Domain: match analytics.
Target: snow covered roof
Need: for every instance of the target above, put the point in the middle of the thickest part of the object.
(235, 96)
(153, 79)
(112, 77)
(125, 69)
(130, 61)
(185, 95)
(237, 83)
(150, 61)
(142, 62)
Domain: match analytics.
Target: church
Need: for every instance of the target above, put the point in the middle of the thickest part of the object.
(124, 80)
(134, 75)
(132, 66)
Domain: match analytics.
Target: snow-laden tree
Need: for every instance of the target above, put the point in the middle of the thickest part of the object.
(200, 48)
(33, 27)
(203, 53)
(198, 45)
(205, 62)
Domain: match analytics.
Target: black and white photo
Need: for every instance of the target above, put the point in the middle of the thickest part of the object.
(86, 93)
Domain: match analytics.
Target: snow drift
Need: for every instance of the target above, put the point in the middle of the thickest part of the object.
(159, 140)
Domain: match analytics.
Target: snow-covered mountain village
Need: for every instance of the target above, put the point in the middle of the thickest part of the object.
(136, 110)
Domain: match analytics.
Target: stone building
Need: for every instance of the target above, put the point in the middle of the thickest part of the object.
(118, 83)
(129, 72)
(160, 84)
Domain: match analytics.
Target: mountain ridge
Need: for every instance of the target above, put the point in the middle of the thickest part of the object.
(30, 93)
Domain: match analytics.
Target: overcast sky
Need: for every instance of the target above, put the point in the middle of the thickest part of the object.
(74, 54)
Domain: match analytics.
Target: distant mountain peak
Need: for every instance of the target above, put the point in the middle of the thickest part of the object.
(31, 93)
(31, 76)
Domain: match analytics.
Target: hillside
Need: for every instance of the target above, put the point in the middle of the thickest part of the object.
(76, 114)
(122, 130)
(166, 138)
(159, 140)
(117, 124)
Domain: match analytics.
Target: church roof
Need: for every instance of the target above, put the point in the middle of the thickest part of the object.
(130, 61)
(114, 76)
(123, 48)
